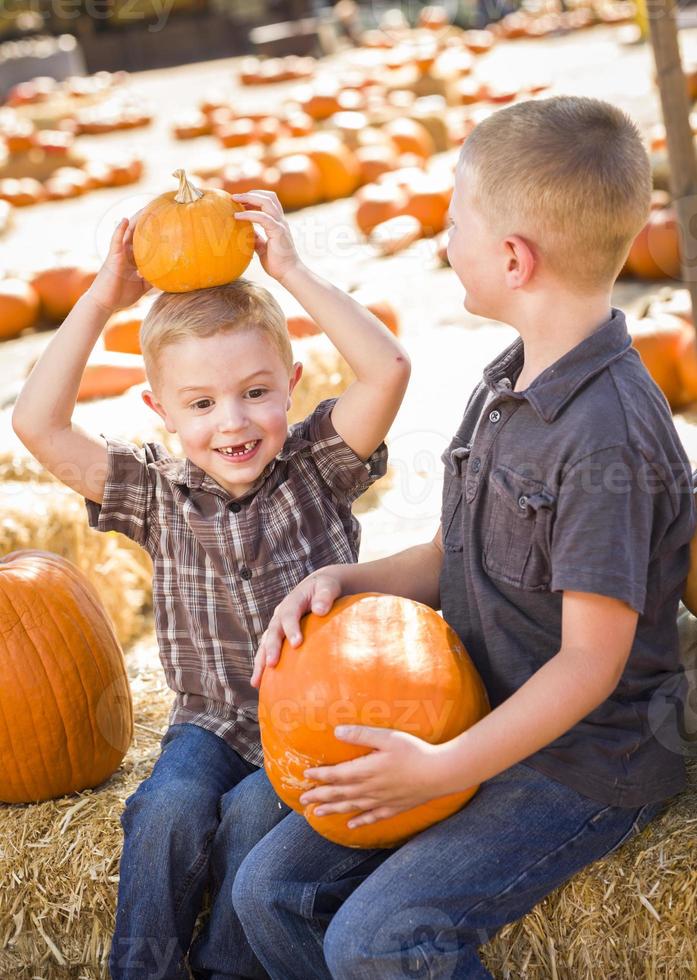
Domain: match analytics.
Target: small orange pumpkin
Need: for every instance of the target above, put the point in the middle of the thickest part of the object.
(302, 325)
(661, 342)
(60, 288)
(122, 330)
(65, 704)
(655, 252)
(19, 307)
(299, 182)
(428, 199)
(370, 660)
(410, 137)
(376, 203)
(189, 239)
(109, 373)
(338, 167)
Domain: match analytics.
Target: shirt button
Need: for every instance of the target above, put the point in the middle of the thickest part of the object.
(476, 464)
(494, 416)
(523, 502)
(245, 573)
(235, 507)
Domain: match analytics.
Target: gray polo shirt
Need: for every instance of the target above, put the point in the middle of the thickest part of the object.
(579, 482)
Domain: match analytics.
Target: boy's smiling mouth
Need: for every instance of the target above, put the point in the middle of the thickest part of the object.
(241, 452)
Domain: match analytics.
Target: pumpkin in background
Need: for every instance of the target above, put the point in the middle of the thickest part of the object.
(302, 325)
(382, 309)
(298, 182)
(661, 342)
(61, 287)
(655, 252)
(428, 199)
(189, 239)
(110, 373)
(19, 307)
(373, 660)
(65, 703)
(376, 203)
(375, 160)
(338, 167)
(410, 137)
(122, 330)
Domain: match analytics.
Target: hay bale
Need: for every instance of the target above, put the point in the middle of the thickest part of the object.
(48, 516)
(629, 916)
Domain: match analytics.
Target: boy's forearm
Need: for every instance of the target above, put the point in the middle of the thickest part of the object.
(414, 574)
(366, 343)
(552, 701)
(48, 397)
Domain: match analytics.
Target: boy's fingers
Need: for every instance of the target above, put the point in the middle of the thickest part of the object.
(259, 663)
(290, 627)
(267, 221)
(265, 200)
(117, 237)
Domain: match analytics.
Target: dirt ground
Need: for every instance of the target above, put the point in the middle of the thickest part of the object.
(447, 345)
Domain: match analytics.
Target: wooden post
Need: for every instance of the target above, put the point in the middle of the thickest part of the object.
(676, 117)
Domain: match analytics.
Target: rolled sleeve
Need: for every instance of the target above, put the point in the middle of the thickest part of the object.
(603, 528)
(129, 493)
(345, 473)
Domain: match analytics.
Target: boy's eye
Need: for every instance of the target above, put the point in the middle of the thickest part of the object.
(201, 403)
(256, 392)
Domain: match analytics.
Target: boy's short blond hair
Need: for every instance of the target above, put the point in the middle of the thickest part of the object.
(239, 305)
(570, 174)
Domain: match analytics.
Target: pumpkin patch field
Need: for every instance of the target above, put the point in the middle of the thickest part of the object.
(360, 148)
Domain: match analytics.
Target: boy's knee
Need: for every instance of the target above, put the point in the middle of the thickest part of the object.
(250, 810)
(250, 891)
(156, 813)
(346, 948)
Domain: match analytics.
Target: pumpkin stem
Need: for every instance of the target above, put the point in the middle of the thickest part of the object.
(187, 193)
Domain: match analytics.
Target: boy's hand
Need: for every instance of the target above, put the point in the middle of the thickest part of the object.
(314, 594)
(118, 282)
(402, 772)
(276, 251)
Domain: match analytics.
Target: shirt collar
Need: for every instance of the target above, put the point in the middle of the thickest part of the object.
(555, 387)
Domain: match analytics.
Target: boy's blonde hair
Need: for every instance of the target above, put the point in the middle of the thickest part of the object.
(569, 173)
(239, 305)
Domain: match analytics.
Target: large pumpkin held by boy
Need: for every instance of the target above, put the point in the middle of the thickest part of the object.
(188, 239)
(377, 660)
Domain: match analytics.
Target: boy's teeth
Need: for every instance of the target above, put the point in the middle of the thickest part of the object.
(229, 451)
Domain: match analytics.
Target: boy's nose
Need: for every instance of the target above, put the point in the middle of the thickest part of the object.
(232, 418)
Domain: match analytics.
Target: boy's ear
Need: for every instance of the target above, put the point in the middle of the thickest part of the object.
(295, 376)
(150, 400)
(520, 261)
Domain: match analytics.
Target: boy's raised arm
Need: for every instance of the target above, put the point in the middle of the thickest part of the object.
(42, 416)
(364, 413)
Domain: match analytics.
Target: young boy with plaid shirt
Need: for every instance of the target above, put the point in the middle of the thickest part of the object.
(231, 528)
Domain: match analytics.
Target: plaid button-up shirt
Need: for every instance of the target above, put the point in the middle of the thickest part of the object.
(222, 565)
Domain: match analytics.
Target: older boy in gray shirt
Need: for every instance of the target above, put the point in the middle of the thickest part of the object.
(560, 559)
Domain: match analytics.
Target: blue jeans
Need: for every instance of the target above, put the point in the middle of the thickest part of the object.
(188, 826)
(312, 909)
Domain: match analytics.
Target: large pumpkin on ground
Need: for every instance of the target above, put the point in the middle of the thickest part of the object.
(375, 660)
(65, 704)
(189, 239)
